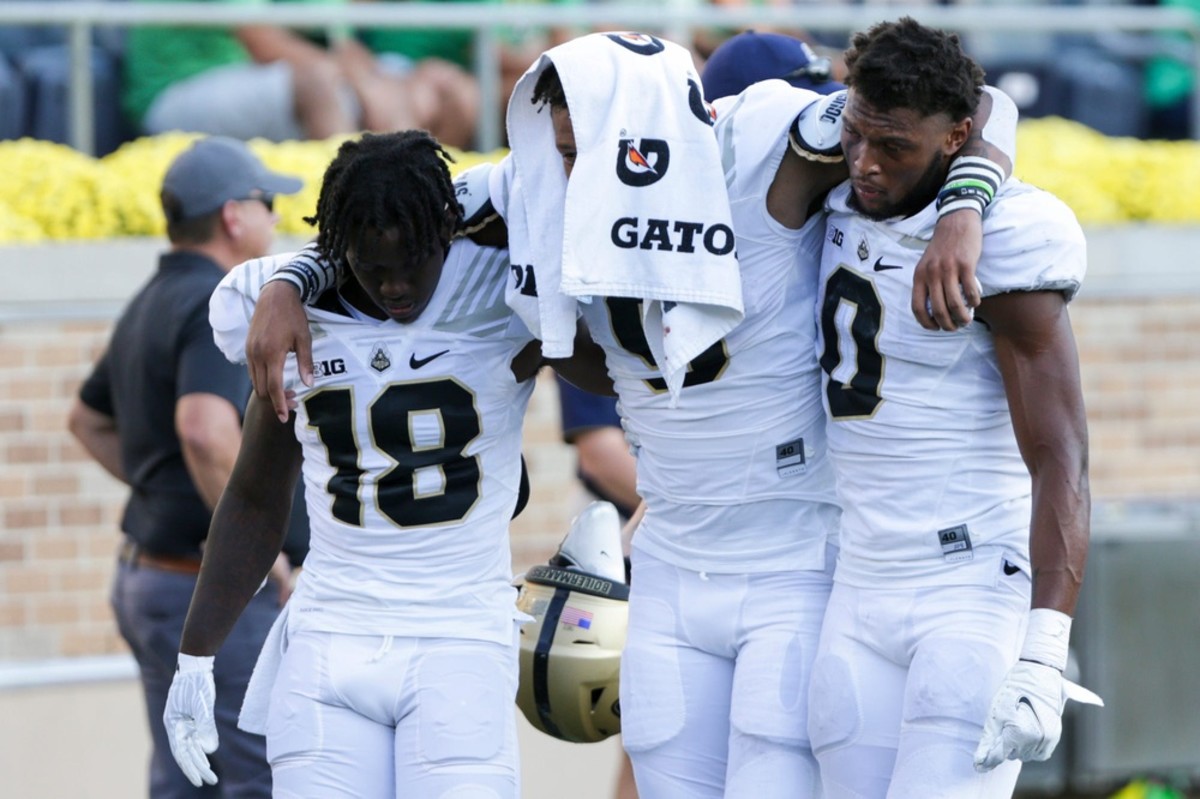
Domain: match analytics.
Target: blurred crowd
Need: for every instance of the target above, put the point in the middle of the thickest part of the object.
(286, 84)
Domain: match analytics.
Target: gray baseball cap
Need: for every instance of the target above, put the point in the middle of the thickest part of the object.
(217, 169)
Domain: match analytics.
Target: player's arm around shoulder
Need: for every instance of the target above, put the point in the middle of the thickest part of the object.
(587, 368)
(753, 126)
(945, 290)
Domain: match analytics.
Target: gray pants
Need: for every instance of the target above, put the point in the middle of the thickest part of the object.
(150, 607)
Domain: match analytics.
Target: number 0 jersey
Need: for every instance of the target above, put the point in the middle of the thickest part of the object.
(920, 432)
(412, 438)
(736, 476)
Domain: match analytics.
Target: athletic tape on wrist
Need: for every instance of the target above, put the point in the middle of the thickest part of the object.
(287, 275)
(308, 272)
(1047, 638)
(189, 663)
(972, 182)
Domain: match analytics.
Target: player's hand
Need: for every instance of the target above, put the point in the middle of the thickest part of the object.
(284, 577)
(191, 726)
(279, 326)
(945, 289)
(1025, 720)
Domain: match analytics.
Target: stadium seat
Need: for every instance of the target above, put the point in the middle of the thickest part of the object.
(12, 102)
(46, 71)
(39, 59)
(1079, 84)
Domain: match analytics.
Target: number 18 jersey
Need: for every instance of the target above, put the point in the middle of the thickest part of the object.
(411, 436)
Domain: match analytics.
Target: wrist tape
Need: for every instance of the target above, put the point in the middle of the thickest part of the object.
(309, 273)
(1046, 638)
(971, 183)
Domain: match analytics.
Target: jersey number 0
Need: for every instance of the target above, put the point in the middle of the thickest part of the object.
(860, 397)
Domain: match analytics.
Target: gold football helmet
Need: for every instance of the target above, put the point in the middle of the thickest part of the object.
(571, 652)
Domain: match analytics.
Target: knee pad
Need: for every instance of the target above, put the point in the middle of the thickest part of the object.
(464, 708)
(952, 683)
(652, 701)
(834, 714)
(761, 767)
(770, 690)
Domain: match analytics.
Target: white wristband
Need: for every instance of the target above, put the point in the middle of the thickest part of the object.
(1047, 637)
(189, 663)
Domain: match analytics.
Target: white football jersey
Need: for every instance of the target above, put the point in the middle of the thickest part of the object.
(736, 476)
(412, 443)
(920, 432)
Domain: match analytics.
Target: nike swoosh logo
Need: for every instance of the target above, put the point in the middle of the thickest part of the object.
(416, 363)
(1024, 700)
(880, 266)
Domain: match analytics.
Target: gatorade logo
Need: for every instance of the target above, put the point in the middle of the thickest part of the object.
(643, 164)
(701, 110)
(640, 43)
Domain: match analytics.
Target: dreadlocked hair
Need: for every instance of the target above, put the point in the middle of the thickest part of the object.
(383, 181)
(904, 64)
(549, 89)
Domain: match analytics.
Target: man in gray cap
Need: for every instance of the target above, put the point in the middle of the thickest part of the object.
(161, 411)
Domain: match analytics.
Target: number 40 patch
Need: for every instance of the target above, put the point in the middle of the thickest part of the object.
(956, 544)
(790, 459)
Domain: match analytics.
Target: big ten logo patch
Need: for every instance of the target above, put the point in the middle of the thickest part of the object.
(334, 366)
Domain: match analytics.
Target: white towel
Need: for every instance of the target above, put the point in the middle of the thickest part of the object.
(257, 701)
(645, 213)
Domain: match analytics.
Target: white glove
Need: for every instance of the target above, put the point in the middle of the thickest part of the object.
(1025, 719)
(191, 726)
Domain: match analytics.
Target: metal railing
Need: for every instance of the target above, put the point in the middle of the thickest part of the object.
(674, 19)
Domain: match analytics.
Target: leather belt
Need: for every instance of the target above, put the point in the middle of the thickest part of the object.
(134, 555)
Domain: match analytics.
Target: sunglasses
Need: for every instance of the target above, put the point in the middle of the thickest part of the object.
(266, 199)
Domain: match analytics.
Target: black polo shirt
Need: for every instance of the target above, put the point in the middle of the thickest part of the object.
(162, 349)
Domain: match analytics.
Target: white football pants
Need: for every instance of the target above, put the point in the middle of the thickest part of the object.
(902, 684)
(714, 681)
(371, 716)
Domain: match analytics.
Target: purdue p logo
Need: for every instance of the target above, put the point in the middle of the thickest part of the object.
(644, 164)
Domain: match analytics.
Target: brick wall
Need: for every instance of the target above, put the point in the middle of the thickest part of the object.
(58, 524)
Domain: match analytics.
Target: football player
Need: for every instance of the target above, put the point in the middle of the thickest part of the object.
(732, 561)
(961, 458)
(395, 662)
